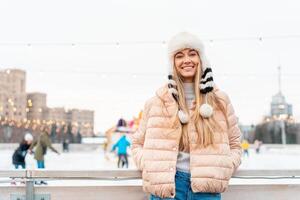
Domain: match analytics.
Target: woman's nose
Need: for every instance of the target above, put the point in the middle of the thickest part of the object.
(187, 59)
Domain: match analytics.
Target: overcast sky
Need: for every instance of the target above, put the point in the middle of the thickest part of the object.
(116, 80)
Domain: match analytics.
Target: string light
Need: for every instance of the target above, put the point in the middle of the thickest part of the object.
(144, 42)
(37, 124)
(106, 74)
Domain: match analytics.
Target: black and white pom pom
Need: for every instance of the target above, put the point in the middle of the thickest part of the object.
(207, 81)
(206, 86)
(172, 88)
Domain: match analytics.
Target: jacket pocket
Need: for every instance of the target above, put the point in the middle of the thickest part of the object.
(232, 165)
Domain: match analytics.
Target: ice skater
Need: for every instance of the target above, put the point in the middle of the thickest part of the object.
(122, 145)
(19, 155)
(18, 158)
(245, 146)
(42, 143)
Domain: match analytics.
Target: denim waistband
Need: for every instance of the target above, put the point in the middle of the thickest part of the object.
(183, 175)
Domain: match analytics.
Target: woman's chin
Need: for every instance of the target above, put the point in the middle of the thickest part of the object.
(188, 75)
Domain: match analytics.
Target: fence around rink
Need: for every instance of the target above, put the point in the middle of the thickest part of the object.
(115, 185)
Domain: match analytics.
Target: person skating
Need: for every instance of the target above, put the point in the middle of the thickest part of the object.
(245, 146)
(18, 158)
(41, 145)
(19, 155)
(65, 145)
(122, 144)
(257, 146)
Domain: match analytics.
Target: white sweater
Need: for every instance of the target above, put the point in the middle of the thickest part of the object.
(183, 158)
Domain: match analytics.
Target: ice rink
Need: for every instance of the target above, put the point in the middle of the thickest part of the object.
(269, 158)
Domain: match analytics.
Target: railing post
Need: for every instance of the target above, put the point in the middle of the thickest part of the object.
(29, 190)
(29, 186)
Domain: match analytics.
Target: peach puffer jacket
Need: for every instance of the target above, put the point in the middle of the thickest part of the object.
(155, 148)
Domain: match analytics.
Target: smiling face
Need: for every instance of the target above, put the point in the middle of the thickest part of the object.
(186, 62)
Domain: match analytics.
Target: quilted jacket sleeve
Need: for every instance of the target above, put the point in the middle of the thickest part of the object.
(139, 137)
(234, 134)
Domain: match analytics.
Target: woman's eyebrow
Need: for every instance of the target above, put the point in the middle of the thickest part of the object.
(178, 53)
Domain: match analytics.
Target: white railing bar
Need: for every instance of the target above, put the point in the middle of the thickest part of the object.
(128, 174)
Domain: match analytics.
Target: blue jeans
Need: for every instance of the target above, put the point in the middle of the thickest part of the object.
(41, 164)
(21, 165)
(184, 190)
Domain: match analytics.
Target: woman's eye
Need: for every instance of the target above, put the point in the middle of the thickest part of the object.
(178, 56)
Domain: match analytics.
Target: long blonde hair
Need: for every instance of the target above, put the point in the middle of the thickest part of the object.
(205, 127)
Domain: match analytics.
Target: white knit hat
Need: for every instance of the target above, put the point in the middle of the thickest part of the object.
(182, 41)
(28, 137)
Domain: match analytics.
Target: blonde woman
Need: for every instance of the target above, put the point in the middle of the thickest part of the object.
(188, 141)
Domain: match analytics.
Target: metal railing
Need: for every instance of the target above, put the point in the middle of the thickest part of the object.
(246, 190)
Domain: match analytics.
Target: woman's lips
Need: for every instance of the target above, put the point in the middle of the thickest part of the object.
(187, 67)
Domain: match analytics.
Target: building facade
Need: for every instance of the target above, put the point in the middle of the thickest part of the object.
(280, 126)
(36, 106)
(17, 105)
(13, 94)
(82, 120)
(279, 106)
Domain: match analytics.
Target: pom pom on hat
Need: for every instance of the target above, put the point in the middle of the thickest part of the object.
(183, 117)
(206, 110)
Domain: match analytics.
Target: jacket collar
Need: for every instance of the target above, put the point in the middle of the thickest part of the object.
(163, 94)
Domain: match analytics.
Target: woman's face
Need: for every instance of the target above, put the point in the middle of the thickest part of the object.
(29, 142)
(186, 62)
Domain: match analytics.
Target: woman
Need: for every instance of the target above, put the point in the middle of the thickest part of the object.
(188, 141)
(42, 144)
(20, 153)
